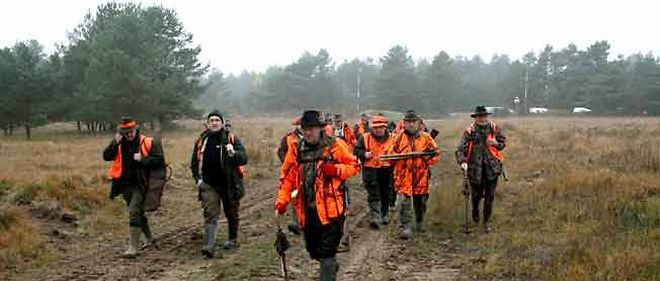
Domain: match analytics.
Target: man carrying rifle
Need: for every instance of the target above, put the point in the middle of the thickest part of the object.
(312, 174)
(479, 155)
(418, 151)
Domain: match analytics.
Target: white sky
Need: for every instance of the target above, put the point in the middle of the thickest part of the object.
(248, 34)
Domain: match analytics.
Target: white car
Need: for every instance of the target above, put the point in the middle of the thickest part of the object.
(580, 109)
(538, 110)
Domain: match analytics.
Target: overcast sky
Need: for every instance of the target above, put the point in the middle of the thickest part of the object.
(252, 35)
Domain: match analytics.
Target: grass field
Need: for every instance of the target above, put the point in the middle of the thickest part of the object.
(583, 202)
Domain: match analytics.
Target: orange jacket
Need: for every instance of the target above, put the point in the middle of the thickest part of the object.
(371, 144)
(329, 198)
(411, 176)
(115, 170)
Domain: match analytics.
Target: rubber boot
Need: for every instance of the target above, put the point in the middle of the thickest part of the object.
(375, 222)
(329, 268)
(208, 249)
(406, 218)
(133, 243)
(149, 239)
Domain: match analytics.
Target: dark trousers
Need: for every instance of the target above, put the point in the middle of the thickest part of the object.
(321, 241)
(134, 199)
(379, 190)
(485, 190)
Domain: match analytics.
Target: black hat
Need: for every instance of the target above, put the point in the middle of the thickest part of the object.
(480, 111)
(338, 116)
(411, 116)
(312, 118)
(215, 113)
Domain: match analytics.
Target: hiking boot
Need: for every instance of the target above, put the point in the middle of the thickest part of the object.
(230, 244)
(133, 243)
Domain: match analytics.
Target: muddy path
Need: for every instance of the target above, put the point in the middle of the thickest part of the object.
(373, 255)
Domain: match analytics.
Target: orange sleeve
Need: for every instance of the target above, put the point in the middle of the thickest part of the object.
(431, 145)
(288, 177)
(347, 163)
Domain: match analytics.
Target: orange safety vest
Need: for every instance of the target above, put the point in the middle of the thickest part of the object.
(329, 199)
(116, 168)
(377, 149)
(491, 148)
(200, 143)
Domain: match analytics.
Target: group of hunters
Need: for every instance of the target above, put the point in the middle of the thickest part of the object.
(319, 154)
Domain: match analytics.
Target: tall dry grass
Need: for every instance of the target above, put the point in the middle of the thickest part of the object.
(583, 202)
(60, 171)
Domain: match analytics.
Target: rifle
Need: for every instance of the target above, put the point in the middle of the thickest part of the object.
(408, 155)
(466, 195)
(281, 245)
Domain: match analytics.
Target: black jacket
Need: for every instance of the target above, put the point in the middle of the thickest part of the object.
(133, 173)
(227, 166)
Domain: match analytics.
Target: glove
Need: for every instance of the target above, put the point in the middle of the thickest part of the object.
(330, 170)
(280, 208)
(464, 166)
(199, 183)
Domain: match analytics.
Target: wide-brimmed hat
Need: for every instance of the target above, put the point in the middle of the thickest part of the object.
(312, 118)
(480, 111)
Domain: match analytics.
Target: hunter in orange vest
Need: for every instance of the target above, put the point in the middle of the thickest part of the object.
(312, 175)
(133, 155)
(216, 165)
(376, 174)
(411, 174)
(479, 153)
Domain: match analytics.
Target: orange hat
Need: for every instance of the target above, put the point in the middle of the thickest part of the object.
(378, 121)
(126, 124)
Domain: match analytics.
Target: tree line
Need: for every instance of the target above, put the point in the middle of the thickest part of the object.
(130, 60)
(556, 79)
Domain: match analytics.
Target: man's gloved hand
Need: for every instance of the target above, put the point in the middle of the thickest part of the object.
(368, 155)
(199, 183)
(330, 170)
(230, 150)
(280, 208)
(464, 166)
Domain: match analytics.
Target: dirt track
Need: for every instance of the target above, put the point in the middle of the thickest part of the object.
(374, 255)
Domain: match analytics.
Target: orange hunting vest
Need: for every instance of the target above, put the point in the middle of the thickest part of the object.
(116, 169)
(492, 149)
